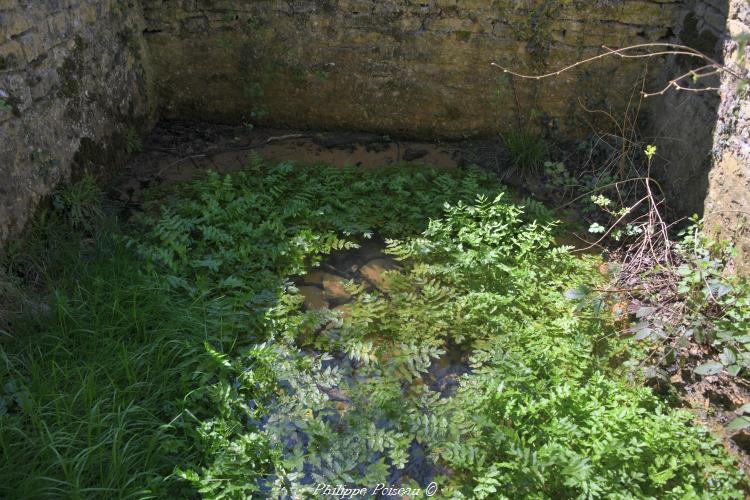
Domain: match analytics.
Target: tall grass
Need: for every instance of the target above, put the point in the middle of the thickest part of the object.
(90, 386)
(124, 383)
(526, 150)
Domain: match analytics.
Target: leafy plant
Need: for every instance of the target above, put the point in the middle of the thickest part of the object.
(133, 143)
(80, 203)
(718, 302)
(483, 279)
(92, 380)
(527, 150)
(182, 362)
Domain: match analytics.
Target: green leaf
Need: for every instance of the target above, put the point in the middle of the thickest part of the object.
(728, 357)
(642, 312)
(642, 330)
(710, 368)
(738, 423)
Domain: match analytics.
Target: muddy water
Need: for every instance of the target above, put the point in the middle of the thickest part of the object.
(180, 151)
(325, 288)
(183, 151)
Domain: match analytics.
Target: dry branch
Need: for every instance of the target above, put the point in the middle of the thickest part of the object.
(627, 53)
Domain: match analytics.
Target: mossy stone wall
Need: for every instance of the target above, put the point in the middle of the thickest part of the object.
(727, 205)
(78, 76)
(75, 79)
(396, 66)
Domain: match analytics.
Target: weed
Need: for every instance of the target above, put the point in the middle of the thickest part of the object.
(80, 203)
(481, 278)
(527, 150)
(91, 386)
(133, 142)
(177, 360)
(321, 75)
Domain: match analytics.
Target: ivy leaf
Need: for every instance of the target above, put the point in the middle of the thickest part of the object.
(653, 372)
(720, 289)
(642, 331)
(577, 293)
(734, 370)
(642, 312)
(684, 270)
(710, 368)
(728, 357)
(738, 423)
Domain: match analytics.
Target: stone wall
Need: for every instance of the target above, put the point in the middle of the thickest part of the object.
(80, 79)
(396, 66)
(681, 123)
(75, 84)
(727, 206)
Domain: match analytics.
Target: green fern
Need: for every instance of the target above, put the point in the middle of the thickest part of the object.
(471, 357)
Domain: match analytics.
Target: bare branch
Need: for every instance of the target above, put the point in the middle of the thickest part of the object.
(627, 53)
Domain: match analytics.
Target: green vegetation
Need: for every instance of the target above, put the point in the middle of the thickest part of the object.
(175, 357)
(718, 301)
(4, 106)
(133, 143)
(527, 150)
(89, 385)
(80, 204)
(716, 304)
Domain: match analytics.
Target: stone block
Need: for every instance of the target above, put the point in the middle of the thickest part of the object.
(13, 23)
(11, 56)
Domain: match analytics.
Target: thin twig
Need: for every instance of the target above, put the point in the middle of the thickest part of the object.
(624, 53)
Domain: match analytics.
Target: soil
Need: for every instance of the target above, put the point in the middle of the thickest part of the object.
(177, 151)
(714, 400)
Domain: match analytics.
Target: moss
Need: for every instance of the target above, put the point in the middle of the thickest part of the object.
(531, 23)
(327, 6)
(298, 74)
(71, 71)
(8, 62)
(452, 113)
(129, 40)
(15, 104)
(141, 83)
(252, 24)
(248, 58)
(68, 79)
(101, 158)
(90, 156)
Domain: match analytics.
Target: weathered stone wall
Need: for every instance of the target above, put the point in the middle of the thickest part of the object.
(681, 123)
(396, 66)
(727, 207)
(78, 77)
(74, 83)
